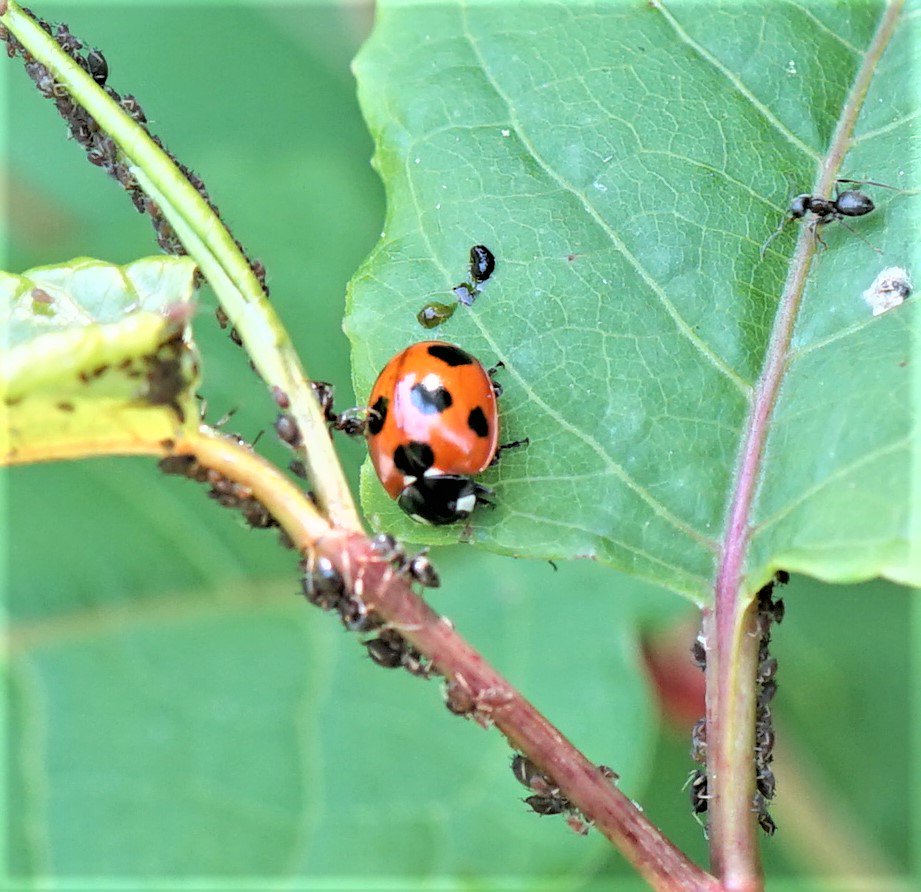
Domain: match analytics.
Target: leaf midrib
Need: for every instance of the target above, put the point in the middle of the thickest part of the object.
(738, 529)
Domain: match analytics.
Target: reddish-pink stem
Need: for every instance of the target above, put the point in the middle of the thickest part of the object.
(475, 688)
(731, 637)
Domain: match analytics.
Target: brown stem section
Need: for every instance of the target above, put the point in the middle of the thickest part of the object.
(732, 643)
(473, 687)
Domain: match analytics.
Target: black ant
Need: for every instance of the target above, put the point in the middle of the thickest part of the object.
(850, 203)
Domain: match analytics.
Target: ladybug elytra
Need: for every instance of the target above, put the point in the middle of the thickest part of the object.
(432, 425)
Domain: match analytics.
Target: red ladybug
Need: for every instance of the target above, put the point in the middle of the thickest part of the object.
(433, 424)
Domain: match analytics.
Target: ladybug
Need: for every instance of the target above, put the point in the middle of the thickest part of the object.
(433, 424)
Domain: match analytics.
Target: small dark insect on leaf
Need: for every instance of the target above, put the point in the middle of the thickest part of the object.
(482, 263)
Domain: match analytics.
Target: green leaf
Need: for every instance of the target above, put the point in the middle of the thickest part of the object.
(283, 769)
(96, 353)
(626, 163)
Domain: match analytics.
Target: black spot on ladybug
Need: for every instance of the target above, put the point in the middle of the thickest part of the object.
(378, 415)
(449, 354)
(477, 422)
(414, 459)
(430, 402)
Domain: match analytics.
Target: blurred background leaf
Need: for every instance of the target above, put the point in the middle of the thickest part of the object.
(173, 709)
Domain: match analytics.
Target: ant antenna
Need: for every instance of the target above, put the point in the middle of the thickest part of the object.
(774, 234)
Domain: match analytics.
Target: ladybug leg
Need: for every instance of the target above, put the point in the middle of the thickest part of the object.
(481, 493)
(515, 444)
(496, 386)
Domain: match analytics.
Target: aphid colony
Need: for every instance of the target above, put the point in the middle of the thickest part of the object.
(769, 612)
(546, 797)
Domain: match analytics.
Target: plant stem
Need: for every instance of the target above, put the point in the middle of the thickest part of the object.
(484, 695)
(476, 688)
(208, 241)
(732, 641)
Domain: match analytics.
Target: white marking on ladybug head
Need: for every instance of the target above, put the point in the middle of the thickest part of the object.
(466, 504)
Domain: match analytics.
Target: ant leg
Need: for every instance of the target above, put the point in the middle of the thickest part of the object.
(864, 240)
(869, 183)
(814, 226)
(515, 444)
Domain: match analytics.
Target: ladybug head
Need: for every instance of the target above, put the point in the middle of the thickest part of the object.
(442, 498)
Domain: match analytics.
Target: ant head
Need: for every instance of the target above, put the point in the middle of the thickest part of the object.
(800, 205)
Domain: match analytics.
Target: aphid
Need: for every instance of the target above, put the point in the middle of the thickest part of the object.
(133, 108)
(767, 692)
(433, 424)
(529, 775)
(421, 570)
(323, 584)
(354, 614)
(384, 653)
(280, 397)
(287, 429)
(766, 822)
(482, 263)
(764, 743)
(766, 782)
(608, 773)
(699, 652)
(98, 67)
(464, 294)
(458, 698)
(553, 804)
(767, 669)
(434, 314)
(325, 394)
(698, 791)
(699, 740)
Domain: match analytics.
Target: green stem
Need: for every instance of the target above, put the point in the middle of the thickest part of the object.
(210, 244)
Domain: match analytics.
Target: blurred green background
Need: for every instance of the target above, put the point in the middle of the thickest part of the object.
(175, 711)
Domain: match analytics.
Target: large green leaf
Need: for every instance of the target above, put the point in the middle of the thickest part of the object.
(625, 163)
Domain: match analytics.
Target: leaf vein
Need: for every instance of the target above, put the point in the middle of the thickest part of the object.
(733, 79)
(835, 477)
(683, 327)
